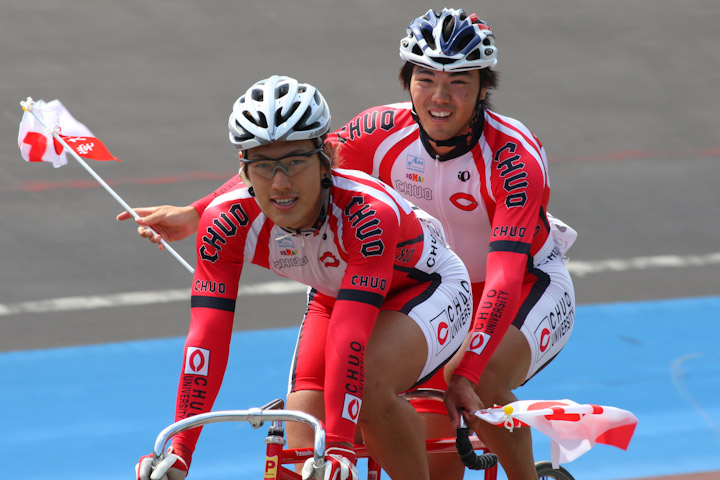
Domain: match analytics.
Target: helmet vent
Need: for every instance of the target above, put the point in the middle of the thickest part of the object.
(427, 35)
(448, 28)
(302, 123)
(474, 55)
(280, 119)
(282, 90)
(257, 95)
(442, 60)
(260, 122)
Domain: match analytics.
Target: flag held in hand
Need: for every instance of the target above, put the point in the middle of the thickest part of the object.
(573, 428)
(37, 143)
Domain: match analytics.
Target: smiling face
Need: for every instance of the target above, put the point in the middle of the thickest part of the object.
(445, 101)
(292, 196)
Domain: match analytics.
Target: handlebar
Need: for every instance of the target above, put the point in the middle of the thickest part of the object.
(273, 412)
(465, 449)
(255, 416)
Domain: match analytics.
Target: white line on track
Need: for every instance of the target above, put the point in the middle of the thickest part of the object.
(581, 269)
(91, 302)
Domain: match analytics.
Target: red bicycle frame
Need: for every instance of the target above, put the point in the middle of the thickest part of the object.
(277, 457)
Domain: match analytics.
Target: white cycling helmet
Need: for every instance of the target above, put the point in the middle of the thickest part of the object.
(449, 41)
(278, 109)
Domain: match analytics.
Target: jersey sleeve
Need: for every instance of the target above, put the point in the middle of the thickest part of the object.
(519, 186)
(358, 141)
(370, 236)
(202, 203)
(213, 295)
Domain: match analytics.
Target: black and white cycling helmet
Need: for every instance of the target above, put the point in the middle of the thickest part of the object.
(449, 41)
(278, 109)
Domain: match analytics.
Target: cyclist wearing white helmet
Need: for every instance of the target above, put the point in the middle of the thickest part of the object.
(396, 300)
(485, 177)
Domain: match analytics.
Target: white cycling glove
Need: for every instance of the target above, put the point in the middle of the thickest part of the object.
(339, 465)
(171, 467)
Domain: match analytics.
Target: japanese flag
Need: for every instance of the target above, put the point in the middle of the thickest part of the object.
(573, 428)
(38, 145)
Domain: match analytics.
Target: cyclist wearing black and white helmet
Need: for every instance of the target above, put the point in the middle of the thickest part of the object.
(385, 274)
(485, 177)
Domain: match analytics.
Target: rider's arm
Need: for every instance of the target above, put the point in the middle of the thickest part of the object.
(201, 204)
(518, 184)
(362, 291)
(213, 294)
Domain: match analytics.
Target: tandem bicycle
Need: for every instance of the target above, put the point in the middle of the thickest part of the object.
(280, 461)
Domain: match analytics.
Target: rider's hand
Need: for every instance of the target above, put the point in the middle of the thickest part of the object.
(339, 465)
(169, 222)
(171, 467)
(460, 396)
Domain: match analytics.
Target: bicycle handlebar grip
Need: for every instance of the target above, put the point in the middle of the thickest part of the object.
(470, 459)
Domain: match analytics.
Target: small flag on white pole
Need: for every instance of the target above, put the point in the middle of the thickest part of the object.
(37, 143)
(573, 428)
(47, 131)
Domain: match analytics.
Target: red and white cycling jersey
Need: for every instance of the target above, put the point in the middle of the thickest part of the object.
(492, 202)
(371, 250)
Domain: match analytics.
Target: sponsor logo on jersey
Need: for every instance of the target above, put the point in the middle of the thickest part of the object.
(206, 286)
(508, 231)
(285, 244)
(554, 326)
(414, 177)
(223, 226)
(367, 124)
(413, 190)
(443, 331)
(283, 240)
(329, 260)
(367, 281)
(367, 226)
(453, 319)
(192, 394)
(415, 164)
(464, 201)
(478, 341)
(404, 255)
(351, 408)
(464, 176)
(197, 361)
(512, 172)
(290, 262)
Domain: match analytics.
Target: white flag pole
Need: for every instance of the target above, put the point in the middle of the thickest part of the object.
(28, 106)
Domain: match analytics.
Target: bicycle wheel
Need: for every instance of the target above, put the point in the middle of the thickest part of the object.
(546, 471)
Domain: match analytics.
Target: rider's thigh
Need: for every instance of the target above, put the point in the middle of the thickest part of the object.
(396, 353)
(506, 370)
(550, 320)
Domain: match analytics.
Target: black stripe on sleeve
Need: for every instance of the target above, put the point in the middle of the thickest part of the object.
(374, 299)
(200, 301)
(510, 246)
(417, 239)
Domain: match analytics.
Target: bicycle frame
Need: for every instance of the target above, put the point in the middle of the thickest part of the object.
(276, 455)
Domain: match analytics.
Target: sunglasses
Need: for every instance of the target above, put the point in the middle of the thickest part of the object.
(290, 164)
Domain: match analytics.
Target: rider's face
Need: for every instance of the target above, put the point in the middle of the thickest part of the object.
(291, 201)
(445, 101)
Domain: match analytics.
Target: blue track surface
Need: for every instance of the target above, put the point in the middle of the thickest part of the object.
(90, 412)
